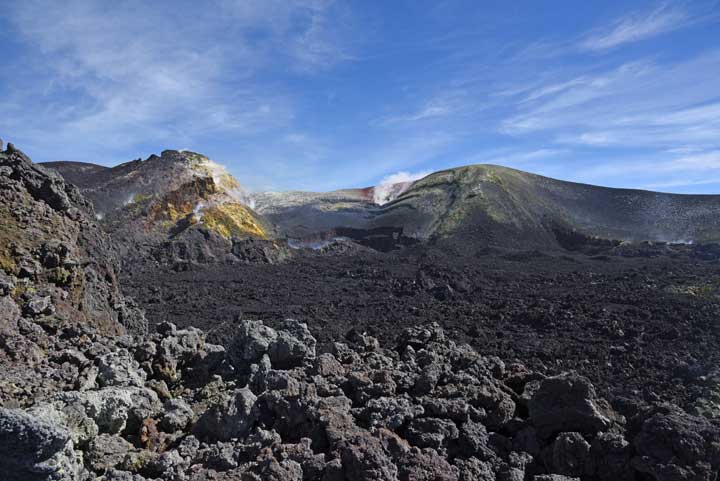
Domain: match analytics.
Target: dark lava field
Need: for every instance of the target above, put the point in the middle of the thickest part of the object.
(348, 361)
(638, 321)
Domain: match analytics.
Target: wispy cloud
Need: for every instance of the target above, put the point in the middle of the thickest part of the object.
(448, 103)
(661, 171)
(681, 183)
(320, 46)
(432, 110)
(639, 26)
(627, 105)
(118, 79)
(315, 94)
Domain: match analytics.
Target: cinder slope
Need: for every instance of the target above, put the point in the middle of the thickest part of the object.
(300, 214)
(512, 207)
(165, 197)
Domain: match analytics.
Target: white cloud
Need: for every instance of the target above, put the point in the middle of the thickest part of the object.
(658, 172)
(446, 104)
(637, 27)
(698, 162)
(640, 104)
(320, 47)
(681, 183)
(688, 116)
(111, 77)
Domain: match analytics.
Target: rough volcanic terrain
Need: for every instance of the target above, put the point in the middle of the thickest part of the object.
(445, 361)
(633, 319)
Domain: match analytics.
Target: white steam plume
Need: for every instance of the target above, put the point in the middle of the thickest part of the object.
(198, 211)
(218, 172)
(392, 186)
(223, 180)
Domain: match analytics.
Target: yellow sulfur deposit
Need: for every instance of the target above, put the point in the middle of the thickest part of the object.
(232, 219)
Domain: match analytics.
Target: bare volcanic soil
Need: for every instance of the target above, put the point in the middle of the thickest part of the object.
(639, 323)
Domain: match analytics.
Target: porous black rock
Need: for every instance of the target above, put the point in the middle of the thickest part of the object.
(35, 449)
(675, 446)
(568, 403)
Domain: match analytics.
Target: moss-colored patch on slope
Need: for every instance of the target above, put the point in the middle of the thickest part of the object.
(233, 219)
(178, 204)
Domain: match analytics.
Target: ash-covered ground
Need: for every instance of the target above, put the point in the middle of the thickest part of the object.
(640, 321)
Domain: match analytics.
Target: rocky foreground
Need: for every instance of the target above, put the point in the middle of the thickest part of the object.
(171, 406)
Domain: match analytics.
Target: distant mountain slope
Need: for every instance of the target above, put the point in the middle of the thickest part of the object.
(300, 214)
(179, 191)
(519, 207)
(165, 197)
(80, 174)
(502, 206)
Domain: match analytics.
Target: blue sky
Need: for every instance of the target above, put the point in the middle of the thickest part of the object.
(321, 94)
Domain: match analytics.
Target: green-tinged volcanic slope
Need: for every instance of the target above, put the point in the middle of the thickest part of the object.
(178, 193)
(515, 208)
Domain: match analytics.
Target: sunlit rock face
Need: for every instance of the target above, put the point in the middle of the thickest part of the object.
(167, 197)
